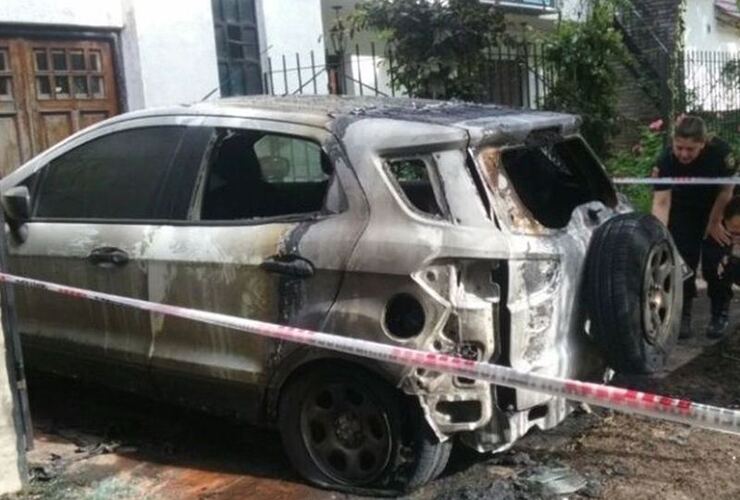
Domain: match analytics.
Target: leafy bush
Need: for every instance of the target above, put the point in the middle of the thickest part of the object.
(437, 45)
(638, 162)
(583, 54)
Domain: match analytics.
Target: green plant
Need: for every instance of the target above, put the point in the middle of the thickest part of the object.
(731, 74)
(638, 162)
(583, 54)
(437, 45)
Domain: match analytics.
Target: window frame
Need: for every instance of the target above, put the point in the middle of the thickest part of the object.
(283, 130)
(222, 24)
(78, 141)
(434, 179)
(498, 202)
(314, 134)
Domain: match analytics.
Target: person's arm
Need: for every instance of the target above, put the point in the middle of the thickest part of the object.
(662, 205)
(715, 228)
(662, 193)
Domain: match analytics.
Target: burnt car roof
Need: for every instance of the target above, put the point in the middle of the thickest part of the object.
(335, 112)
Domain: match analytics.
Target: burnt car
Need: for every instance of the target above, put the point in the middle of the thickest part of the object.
(488, 233)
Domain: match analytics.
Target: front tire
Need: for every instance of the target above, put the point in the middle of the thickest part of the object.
(343, 428)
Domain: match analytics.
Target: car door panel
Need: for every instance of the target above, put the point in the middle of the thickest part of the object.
(220, 267)
(90, 228)
(74, 327)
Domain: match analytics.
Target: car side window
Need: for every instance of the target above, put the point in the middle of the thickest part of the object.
(414, 179)
(115, 177)
(256, 174)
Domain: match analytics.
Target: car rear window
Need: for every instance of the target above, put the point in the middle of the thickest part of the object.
(551, 179)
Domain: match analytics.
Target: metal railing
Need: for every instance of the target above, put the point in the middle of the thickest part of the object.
(516, 76)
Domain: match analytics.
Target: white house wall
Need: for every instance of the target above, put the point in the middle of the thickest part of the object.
(90, 13)
(168, 47)
(10, 474)
(290, 27)
(704, 32)
(704, 37)
(169, 52)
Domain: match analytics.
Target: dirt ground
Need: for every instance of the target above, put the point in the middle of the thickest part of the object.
(96, 444)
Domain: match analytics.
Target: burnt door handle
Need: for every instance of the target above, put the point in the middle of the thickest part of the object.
(108, 257)
(290, 265)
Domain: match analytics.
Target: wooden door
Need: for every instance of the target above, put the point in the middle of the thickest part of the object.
(50, 89)
(15, 145)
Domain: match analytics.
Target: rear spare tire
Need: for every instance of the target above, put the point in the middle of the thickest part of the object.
(634, 291)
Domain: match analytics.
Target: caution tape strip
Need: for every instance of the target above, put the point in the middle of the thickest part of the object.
(678, 181)
(629, 401)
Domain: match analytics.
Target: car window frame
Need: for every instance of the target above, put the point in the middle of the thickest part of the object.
(308, 133)
(42, 163)
(502, 214)
(316, 134)
(440, 197)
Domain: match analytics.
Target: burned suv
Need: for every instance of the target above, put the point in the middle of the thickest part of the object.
(479, 231)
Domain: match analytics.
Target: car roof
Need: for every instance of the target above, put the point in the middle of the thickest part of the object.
(333, 112)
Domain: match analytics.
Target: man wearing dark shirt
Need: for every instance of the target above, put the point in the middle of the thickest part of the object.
(694, 214)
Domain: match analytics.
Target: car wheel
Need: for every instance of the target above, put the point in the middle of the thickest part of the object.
(343, 428)
(634, 288)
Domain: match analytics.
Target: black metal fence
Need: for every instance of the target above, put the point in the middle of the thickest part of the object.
(515, 76)
(712, 89)
(335, 74)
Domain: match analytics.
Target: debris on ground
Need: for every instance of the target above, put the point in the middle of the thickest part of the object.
(117, 446)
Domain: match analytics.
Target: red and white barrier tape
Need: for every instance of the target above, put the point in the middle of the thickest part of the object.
(678, 181)
(651, 405)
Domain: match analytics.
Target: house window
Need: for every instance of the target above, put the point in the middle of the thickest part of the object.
(237, 47)
(68, 73)
(6, 78)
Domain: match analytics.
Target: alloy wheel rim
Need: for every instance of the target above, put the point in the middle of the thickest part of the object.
(347, 433)
(658, 293)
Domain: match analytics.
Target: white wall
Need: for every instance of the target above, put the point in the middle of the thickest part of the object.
(92, 13)
(10, 479)
(289, 27)
(168, 46)
(704, 32)
(169, 52)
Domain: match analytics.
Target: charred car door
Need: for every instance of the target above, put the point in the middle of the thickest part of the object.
(270, 230)
(95, 205)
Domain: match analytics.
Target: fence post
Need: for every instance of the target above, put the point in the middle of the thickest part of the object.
(285, 77)
(16, 434)
(359, 68)
(269, 71)
(375, 69)
(313, 73)
(299, 70)
(392, 73)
